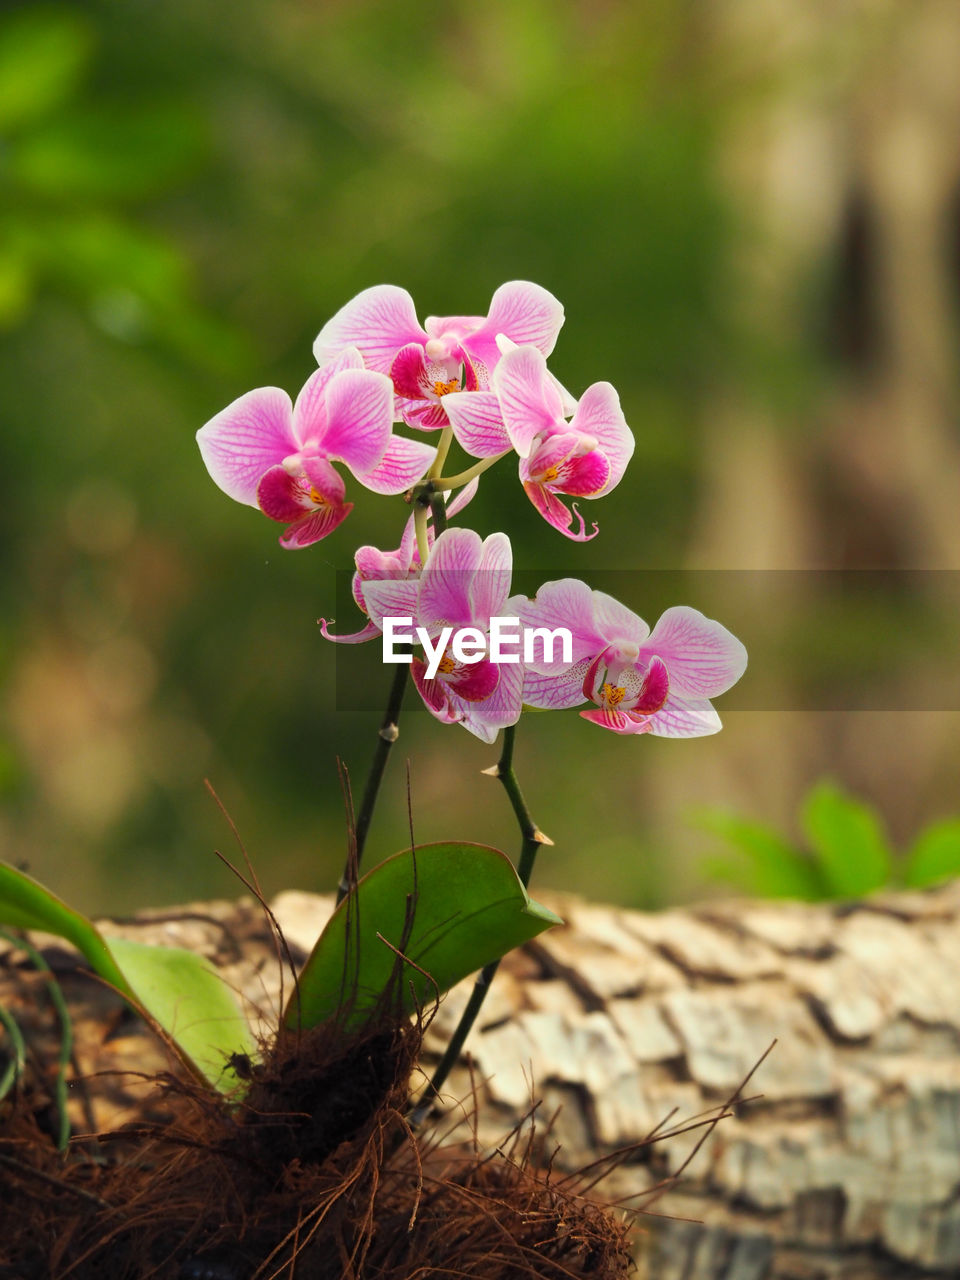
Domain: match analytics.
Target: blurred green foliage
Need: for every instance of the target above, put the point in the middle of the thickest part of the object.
(187, 192)
(847, 852)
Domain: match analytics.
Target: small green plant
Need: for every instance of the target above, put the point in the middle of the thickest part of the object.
(846, 853)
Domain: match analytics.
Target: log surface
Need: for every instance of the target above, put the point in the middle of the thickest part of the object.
(847, 1168)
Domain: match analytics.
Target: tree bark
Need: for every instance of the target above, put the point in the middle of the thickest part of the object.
(847, 1166)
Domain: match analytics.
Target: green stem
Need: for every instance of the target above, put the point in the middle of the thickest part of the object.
(440, 457)
(387, 736)
(464, 477)
(533, 838)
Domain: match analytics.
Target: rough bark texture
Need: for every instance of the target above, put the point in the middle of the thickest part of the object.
(849, 1165)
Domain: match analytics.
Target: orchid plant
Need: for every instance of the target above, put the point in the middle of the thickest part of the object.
(428, 917)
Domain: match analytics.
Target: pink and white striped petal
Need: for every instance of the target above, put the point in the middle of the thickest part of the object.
(310, 409)
(568, 603)
(391, 598)
(703, 658)
(378, 322)
(529, 400)
(446, 578)
(526, 313)
(477, 422)
(369, 632)
(616, 623)
(598, 414)
(313, 526)
(685, 718)
(554, 692)
(555, 513)
(359, 418)
(250, 436)
(404, 463)
(617, 721)
(502, 707)
(491, 582)
(423, 415)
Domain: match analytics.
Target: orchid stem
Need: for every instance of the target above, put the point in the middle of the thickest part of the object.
(464, 477)
(440, 457)
(421, 512)
(387, 735)
(533, 838)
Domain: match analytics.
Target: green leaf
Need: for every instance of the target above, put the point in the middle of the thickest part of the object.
(470, 908)
(848, 840)
(43, 53)
(185, 995)
(175, 989)
(774, 868)
(935, 854)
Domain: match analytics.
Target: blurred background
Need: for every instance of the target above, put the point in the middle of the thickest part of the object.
(750, 211)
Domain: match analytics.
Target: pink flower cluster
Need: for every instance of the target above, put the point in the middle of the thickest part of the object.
(484, 381)
(485, 377)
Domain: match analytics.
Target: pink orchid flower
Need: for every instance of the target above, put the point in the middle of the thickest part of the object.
(584, 458)
(425, 362)
(374, 565)
(268, 453)
(641, 681)
(464, 583)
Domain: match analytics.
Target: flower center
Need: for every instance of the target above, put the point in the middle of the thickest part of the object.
(443, 388)
(317, 497)
(612, 694)
(446, 665)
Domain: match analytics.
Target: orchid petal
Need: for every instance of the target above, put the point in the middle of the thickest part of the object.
(599, 415)
(566, 603)
(423, 415)
(617, 721)
(555, 513)
(702, 656)
(435, 694)
(403, 464)
(326, 483)
(457, 326)
(684, 718)
(654, 690)
(244, 440)
(491, 583)
(477, 422)
(529, 401)
(359, 418)
(616, 623)
(310, 409)
(391, 598)
(408, 372)
(555, 692)
(466, 495)
(378, 321)
(313, 526)
(445, 581)
(503, 706)
(585, 477)
(369, 632)
(283, 497)
(525, 312)
(475, 681)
